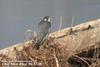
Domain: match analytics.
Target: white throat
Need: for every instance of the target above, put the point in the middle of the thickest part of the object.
(49, 20)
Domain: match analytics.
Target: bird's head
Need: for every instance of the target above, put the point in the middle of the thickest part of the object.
(47, 19)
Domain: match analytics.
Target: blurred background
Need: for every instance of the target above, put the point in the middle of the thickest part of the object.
(16, 16)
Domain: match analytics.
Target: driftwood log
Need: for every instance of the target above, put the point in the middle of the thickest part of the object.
(78, 46)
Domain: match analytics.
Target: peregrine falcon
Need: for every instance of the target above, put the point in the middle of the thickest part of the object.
(43, 30)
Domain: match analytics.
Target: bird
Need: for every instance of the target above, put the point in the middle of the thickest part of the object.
(43, 30)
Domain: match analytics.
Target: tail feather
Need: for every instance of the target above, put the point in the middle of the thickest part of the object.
(37, 46)
(39, 43)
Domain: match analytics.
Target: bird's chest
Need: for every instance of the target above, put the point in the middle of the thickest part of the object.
(43, 26)
(43, 29)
